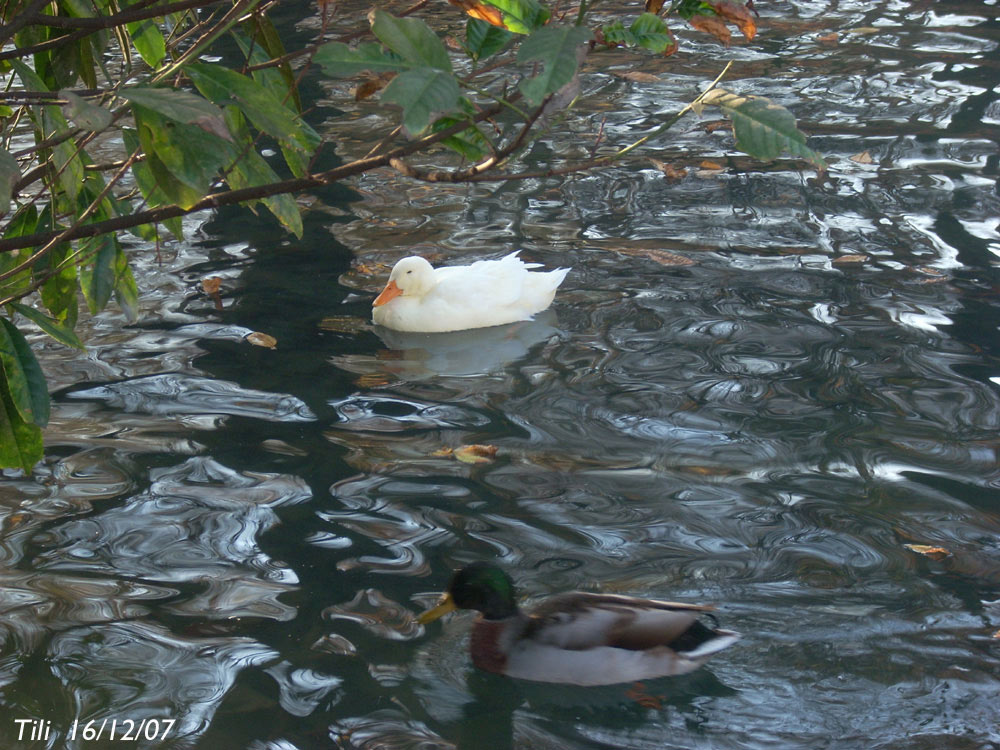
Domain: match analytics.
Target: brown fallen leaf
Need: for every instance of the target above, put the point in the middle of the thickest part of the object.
(262, 339)
(934, 553)
(863, 158)
(469, 454)
(653, 6)
(211, 286)
(710, 165)
(713, 125)
(669, 170)
(712, 25)
(738, 15)
(662, 257)
(996, 635)
(830, 38)
(638, 76)
(847, 259)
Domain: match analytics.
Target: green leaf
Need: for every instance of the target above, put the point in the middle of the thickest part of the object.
(279, 81)
(126, 291)
(411, 39)
(25, 382)
(97, 271)
(521, 16)
(470, 143)
(183, 159)
(263, 108)
(556, 47)
(422, 93)
(650, 32)
(10, 173)
(483, 39)
(762, 128)
(67, 161)
(148, 41)
(84, 114)
(339, 60)
(58, 292)
(146, 181)
(20, 441)
(180, 106)
(51, 326)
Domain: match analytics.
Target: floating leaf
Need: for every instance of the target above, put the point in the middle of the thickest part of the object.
(371, 86)
(663, 257)
(762, 128)
(710, 165)
(669, 170)
(475, 453)
(934, 553)
(711, 25)
(637, 76)
(831, 38)
(738, 15)
(262, 339)
(849, 259)
(863, 158)
(556, 48)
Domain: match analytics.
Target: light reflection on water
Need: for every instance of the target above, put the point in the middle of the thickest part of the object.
(756, 388)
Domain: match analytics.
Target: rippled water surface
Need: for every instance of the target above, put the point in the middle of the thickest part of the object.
(757, 388)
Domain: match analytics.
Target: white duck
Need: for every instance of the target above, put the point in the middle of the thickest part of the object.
(421, 298)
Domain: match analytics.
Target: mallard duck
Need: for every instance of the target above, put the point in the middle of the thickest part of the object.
(578, 638)
(421, 298)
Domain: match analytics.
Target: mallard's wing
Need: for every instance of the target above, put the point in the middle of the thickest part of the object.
(580, 621)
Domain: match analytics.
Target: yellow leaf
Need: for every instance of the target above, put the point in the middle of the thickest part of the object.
(262, 339)
(934, 553)
(863, 158)
(475, 454)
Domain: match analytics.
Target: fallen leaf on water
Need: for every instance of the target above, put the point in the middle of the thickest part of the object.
(863, 158)
(638, 76)
(662, 257)
(669, 170)
(469, 454)
(262, 339)
(997, 635)
(934, 553)
(864, 30)
(710, 165)
(343, 324)
(476, 454)
(846, 259)
(712, 25)
(738, 15)
(833, 36)
(212, 286)
(711, 127)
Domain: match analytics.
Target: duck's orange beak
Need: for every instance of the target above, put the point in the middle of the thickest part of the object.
(390, 292)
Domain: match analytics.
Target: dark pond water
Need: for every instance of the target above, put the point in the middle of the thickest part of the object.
(756, 388)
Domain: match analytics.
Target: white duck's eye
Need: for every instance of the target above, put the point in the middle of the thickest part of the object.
(410, 271)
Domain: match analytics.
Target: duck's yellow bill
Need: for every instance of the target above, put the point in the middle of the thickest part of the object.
(390, 292)
(446, 605)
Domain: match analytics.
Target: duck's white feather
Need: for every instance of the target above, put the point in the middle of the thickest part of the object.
(453, 298)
